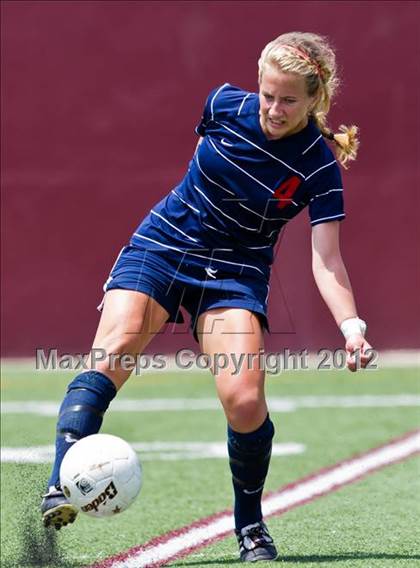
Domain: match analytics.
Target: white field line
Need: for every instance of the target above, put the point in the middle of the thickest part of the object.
(184, 541)
(287, 404)
(149, 451)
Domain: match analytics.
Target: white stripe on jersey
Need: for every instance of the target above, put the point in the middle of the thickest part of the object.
(224, 214)
(197, 211)
(313, 144)
(239, 168)
(263, 216)
(327, 218)
(215, 95)
(319, 169)
(256, 248)
(214, 229)
(211, 180)
(268, 292)
(325, 193)
(242, 103)
(173, 226)
(200, 255)
(274, 157)
(259, 148)
(185, 202)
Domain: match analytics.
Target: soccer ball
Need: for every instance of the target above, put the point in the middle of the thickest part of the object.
(101, 475)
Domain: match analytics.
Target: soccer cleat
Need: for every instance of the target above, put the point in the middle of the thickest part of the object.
(56, 511)
(255, 543)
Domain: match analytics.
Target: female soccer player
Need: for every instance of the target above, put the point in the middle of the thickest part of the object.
(208, 246)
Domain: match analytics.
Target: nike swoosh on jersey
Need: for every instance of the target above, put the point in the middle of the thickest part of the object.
(211, 272)
(226, 143)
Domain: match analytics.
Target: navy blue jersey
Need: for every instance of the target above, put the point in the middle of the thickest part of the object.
(241, 188)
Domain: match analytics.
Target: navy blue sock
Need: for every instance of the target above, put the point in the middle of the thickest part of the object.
(249, 458)
(81, 414)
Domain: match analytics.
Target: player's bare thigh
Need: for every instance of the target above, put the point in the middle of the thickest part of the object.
(129, 321)
(238, 331)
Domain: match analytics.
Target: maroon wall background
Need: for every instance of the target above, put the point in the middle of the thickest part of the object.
(99, 103)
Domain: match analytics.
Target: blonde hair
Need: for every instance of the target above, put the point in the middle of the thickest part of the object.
(311, 56)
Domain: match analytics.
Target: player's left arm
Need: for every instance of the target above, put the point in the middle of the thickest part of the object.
(334, 286)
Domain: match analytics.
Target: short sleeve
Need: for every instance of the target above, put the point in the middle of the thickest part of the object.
(326, 196)
(200, 129)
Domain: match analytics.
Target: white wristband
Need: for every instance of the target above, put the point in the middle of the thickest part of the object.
(352, 326)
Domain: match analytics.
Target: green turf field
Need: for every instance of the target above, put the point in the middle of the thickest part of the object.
(369, 524)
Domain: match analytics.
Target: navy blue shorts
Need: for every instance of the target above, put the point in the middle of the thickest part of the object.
(173, 280)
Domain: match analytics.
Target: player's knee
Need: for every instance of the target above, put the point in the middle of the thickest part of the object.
(116, 343)
(244, 407)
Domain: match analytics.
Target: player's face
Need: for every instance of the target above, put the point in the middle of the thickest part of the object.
(284, 103)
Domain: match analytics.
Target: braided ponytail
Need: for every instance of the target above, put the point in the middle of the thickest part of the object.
(311, 56)
(346, 139)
